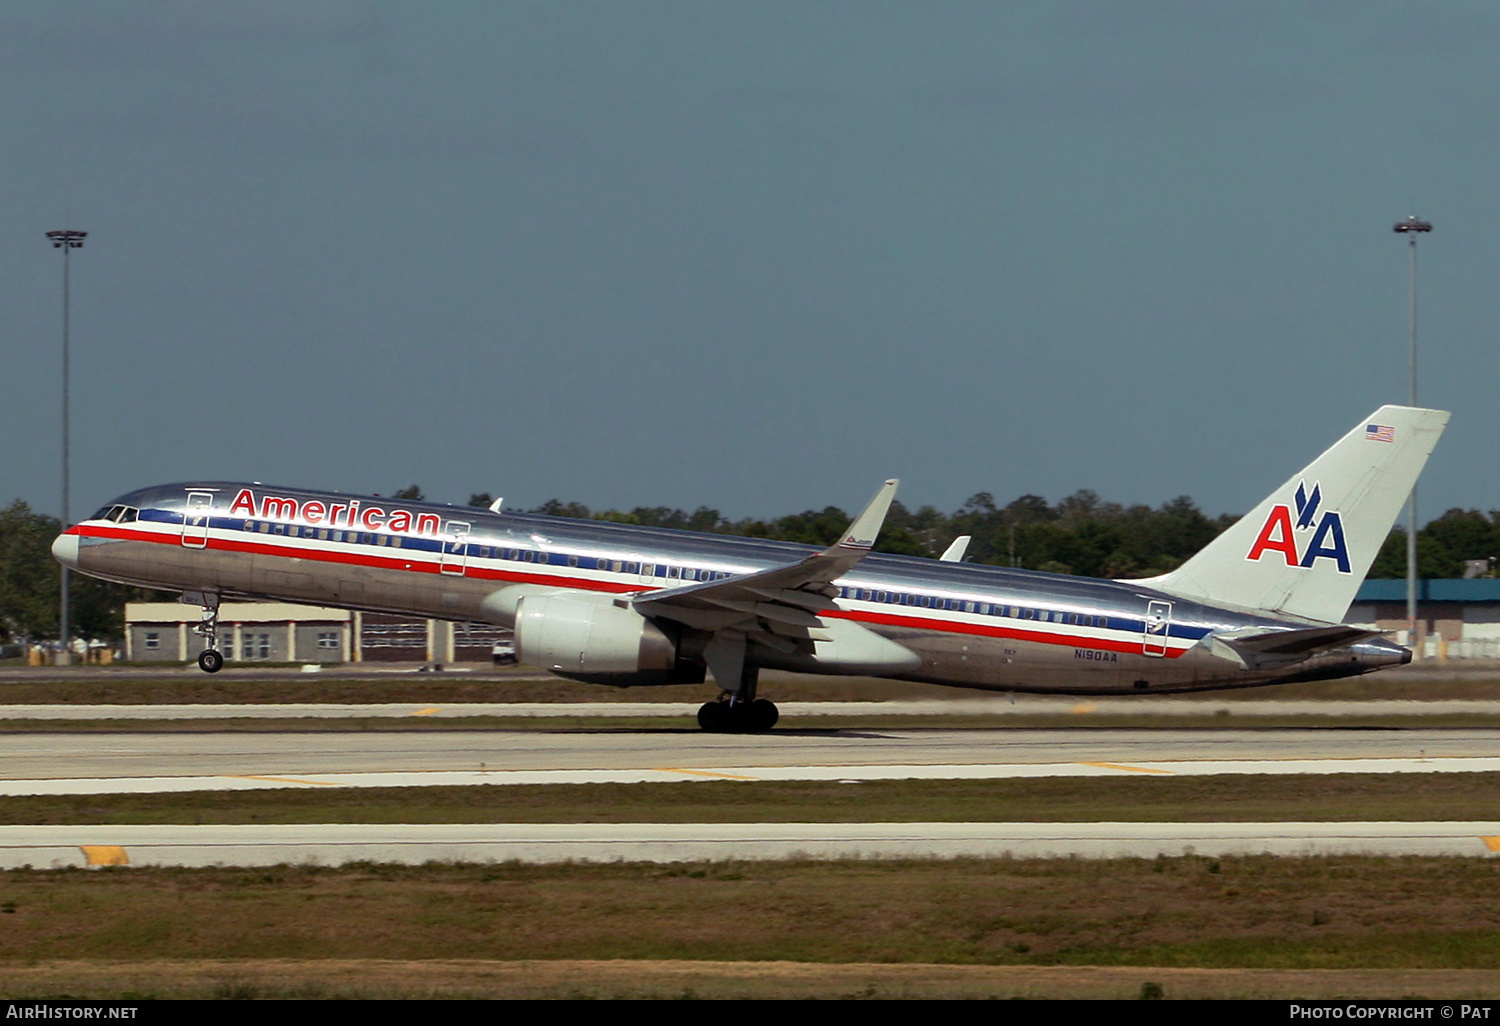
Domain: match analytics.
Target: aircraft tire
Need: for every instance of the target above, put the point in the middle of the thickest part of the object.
(762, 715)
(210, 661)
(714, 716)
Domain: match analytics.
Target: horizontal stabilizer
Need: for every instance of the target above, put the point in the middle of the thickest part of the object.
(1258, 648)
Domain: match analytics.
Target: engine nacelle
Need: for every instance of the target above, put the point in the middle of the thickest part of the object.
(589, 638)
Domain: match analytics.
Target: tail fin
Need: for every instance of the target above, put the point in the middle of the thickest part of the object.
(1306, 549)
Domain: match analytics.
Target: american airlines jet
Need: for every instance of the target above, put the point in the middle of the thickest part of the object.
(628, 606)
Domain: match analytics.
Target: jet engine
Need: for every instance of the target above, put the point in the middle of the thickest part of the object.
(589, 638)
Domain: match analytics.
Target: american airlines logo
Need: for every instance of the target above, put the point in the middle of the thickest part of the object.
(334, 514)
(1280, 534)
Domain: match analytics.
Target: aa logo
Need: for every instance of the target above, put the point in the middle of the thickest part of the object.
(1279, 534)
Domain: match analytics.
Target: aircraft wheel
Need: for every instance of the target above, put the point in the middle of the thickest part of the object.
(210, 661)
(714, 716)
(762, 715)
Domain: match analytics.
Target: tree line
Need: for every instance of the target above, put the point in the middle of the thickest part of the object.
(1081, 534)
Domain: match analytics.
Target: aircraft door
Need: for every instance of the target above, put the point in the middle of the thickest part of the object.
(455, 548)
(195, 519)
(1158, 621)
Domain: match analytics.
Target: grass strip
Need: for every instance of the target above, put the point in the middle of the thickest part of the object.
(616, 979)
(1342, 797)
(1262, 912)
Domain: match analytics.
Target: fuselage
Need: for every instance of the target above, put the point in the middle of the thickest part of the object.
(971, 625)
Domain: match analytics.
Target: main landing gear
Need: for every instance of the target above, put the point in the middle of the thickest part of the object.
(210, 660)
(737, 710)
(728, 716)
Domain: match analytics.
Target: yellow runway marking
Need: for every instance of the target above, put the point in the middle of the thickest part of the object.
(104, 855)
(1083, 710)
(1492, 843)
(428, 711)
(1128, 769)
(704, 773)
(282, 780)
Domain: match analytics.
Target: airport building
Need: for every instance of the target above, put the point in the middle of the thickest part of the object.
(283, 632)
(1456, 619)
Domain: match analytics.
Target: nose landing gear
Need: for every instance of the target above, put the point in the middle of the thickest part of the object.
(210, 660)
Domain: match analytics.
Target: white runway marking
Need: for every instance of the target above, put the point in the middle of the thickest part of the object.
(252, 845)
(989, 771)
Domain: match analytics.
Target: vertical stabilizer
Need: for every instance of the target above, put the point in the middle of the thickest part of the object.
(1306, 549)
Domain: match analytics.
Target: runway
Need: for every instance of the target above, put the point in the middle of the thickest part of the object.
(71, 763)
(44, 847)
(74, 763)
(1192, 706)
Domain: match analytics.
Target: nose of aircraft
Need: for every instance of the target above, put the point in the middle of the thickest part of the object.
(65, 550)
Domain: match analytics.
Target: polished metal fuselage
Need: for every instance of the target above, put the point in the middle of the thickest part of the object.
(973, 626)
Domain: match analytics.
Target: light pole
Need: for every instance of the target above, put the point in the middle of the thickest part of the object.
(1411, 228)
(66, 240)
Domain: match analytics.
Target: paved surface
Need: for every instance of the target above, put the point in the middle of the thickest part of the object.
(61, 846)
(66, 763)
(69, 763)
(1000, 706)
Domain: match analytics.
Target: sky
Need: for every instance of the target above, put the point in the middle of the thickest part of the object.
(754, 256)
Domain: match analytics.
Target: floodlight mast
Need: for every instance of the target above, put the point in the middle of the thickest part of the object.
(1411, 227)
(66, 240)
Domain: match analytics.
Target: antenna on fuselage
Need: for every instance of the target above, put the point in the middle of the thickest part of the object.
(495, 506)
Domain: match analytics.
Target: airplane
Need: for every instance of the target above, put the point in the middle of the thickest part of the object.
(633, 606)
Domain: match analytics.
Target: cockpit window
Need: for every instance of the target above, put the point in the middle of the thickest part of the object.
(117, 513)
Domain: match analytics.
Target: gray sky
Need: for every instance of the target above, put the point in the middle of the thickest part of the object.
(757, 256)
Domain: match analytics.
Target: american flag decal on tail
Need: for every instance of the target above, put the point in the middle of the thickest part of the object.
(1379, 433)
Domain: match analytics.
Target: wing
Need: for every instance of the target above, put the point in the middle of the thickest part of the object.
(776, 607)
